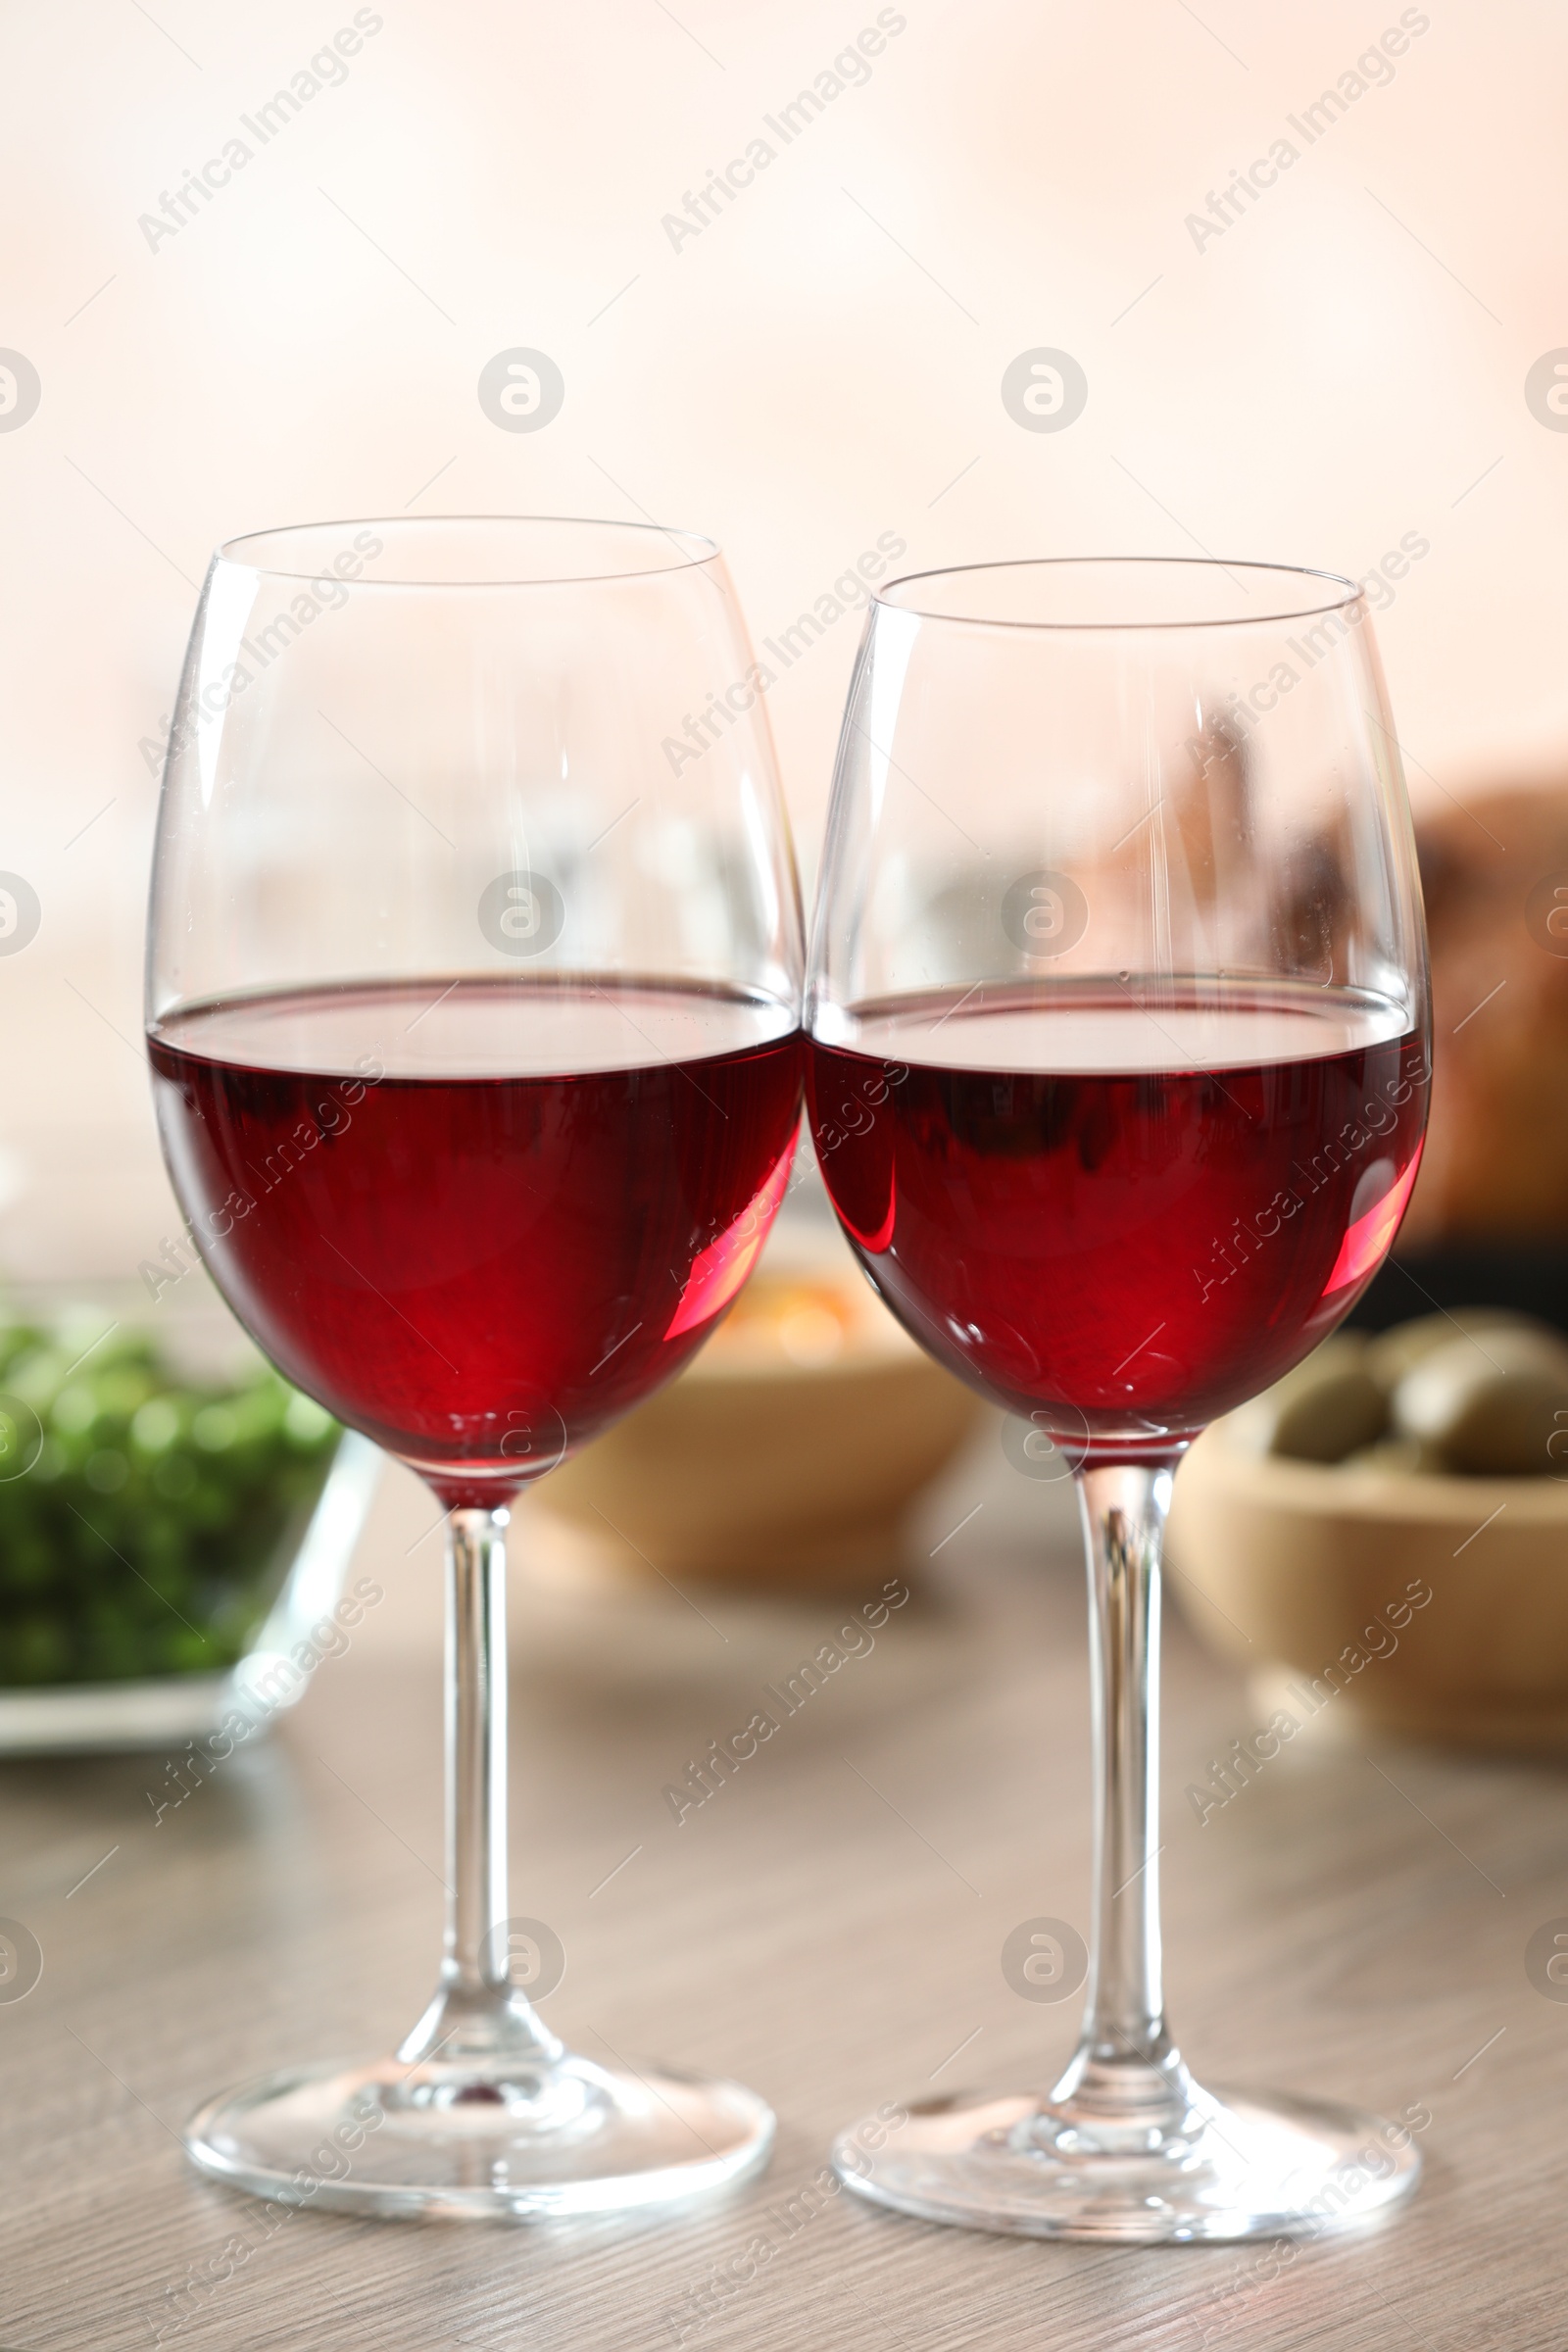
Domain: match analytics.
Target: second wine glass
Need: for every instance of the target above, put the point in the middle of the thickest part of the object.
(1119, 1081)
(472, 1008)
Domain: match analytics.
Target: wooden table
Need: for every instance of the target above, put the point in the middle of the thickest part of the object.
(828, 1929)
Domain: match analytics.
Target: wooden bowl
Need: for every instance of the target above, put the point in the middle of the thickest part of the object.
(786, 1455)
(1312, 1578)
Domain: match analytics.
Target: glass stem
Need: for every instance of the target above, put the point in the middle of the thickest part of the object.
(1126, 2071)
(476, 1748)
(477, 2012)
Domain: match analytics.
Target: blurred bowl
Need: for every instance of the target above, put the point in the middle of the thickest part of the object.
(182, 1606)
(785, 1456)
(1309, 1575)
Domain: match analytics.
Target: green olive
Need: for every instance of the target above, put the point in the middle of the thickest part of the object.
(1327, 1408)
(1491, 1406)
(1394, 1354)
(1403, 1458)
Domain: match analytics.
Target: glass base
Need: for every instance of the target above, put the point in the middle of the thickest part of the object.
(1232, 2168)
(495, 2141)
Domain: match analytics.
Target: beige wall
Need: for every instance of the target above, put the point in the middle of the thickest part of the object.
(1336, 370)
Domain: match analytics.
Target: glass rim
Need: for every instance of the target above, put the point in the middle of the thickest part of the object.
(1348, 592)
(690, 550)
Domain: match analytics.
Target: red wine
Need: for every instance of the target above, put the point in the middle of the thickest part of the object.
(1118, 1212)
(478, 1221)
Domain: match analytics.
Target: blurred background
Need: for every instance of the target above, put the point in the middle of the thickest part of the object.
(1332, 367)
(950, 284)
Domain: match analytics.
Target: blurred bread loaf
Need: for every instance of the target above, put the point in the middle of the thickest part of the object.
(1497, 1154)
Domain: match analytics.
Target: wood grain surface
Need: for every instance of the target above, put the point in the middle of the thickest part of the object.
(829, 1928)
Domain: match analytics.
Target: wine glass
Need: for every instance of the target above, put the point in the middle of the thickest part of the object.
(1117, 1073)
(472, 1007)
